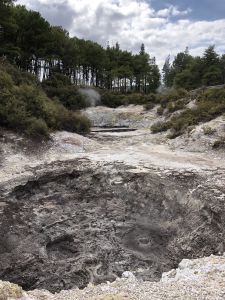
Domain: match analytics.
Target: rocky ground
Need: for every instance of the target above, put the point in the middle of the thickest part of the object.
(83, 210)
(199, 279)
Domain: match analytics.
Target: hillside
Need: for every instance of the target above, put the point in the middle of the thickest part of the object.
(25, 107)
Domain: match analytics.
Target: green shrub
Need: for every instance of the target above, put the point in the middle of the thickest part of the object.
(74, 122)
(114, 99)
(13, 113)
(26, 108)
(212, 94)
(210, 104)
(159, 127)
(59, 86)
(160, 111)
(151, 100)
(181, 122)
(68, 96)
(37, 128)
(174, 94)
(18, 77)
(56, 80)
(174, 106)
(6, 81)
(149, 106)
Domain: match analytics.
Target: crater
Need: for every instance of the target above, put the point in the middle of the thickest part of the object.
(64, 229)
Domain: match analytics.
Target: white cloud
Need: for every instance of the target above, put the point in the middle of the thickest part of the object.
(132, 22)
(172, 11)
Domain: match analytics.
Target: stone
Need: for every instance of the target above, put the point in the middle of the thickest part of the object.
(128, 275)
(10, 291)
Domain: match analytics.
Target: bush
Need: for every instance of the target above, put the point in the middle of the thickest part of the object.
(210, 104)
(26, 108)
(37, 129)
(173, 94)
(174, 106)
(112, 99)
(74, 122)
(68, 96)
(56, 80)
(160, 111)
(153, 98)
(59, 86)
(6, 81)
(159, 127)
(149, 106)
(180, 123)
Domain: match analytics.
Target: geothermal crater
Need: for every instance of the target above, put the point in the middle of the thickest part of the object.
(121, 202)
(90, 224)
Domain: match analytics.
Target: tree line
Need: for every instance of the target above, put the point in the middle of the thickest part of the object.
(31, 43)
(190, 72)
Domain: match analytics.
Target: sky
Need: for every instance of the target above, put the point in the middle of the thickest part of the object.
(166, 27)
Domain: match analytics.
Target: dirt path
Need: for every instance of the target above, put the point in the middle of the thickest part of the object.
(143, 149)
(137, 148)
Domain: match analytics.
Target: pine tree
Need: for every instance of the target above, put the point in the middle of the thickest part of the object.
(142, 51)
(167, 73)
(212, 70)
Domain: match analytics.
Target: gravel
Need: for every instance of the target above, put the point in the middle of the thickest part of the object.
(199, 279)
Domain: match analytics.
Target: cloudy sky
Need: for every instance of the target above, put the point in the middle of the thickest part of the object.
(164, 26)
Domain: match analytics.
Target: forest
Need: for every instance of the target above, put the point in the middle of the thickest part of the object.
(42, 68)
(190, 72)
(31, 43)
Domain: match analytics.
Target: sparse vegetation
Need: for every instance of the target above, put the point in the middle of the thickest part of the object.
(210, 104)
(172, 100)
(219, 144)
(208, 130)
